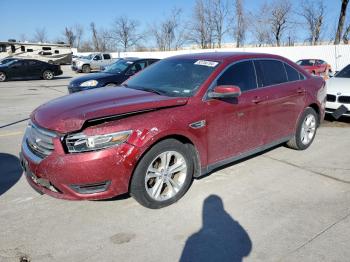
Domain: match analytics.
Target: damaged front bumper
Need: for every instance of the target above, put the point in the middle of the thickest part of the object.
(92, 175)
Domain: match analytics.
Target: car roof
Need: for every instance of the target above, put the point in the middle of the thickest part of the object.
(227, 56)
(135, 59)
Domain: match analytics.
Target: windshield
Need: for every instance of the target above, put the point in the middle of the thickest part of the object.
(344, 73)
(306, 62)
(89, 57)
(118, 67)
(173, 77)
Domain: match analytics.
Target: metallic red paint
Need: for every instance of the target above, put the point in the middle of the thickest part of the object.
(254, 119)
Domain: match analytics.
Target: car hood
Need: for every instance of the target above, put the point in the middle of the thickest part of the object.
(338, 85)
(69, 113)
(95, 76)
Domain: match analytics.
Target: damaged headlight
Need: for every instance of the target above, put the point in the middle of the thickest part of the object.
(89, 83)
(77, 143)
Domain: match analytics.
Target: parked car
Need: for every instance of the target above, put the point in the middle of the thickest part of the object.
(28, 69)
(338, 93)
(92, 62)
(315, 66)
(178, 119)
(113, 75)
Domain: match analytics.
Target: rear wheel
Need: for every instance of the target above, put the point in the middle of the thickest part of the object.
(48, 75)
(306, 130)
(86, 69)
(2, 77)
(163, 175)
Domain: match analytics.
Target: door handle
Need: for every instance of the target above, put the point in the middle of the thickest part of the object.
(258, 99)
(300, 90)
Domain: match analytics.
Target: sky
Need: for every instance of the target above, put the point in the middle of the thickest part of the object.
(24, 17)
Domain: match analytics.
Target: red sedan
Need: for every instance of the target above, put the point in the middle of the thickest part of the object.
(315, 66)
(177, 120)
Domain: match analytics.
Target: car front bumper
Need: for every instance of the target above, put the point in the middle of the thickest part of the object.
(76, 176)
(333, 106)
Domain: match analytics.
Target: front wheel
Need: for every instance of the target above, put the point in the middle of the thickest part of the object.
(306, 130)
(48, 75)
(86, 69)
(163, 175)
(2, 77)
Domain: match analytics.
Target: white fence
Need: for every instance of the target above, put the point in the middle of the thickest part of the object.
(337, 56)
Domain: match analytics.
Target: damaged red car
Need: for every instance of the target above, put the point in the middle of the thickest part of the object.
(179, 119)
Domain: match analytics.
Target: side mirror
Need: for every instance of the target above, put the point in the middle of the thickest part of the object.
(225, 91)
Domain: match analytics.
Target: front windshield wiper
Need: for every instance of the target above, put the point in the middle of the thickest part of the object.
(151, 90)
(147, 89)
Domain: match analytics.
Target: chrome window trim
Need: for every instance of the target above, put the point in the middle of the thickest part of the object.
(212, 85)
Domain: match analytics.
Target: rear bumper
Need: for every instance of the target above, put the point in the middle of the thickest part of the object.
(94, 175)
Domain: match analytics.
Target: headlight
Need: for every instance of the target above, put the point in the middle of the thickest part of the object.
(89, 83)
(82, 143)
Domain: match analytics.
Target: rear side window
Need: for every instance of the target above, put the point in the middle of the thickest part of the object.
(106, 56)
(270, 72)
(241, 74)
(292, 74)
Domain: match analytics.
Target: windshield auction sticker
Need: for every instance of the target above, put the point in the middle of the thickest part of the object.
(206, 63)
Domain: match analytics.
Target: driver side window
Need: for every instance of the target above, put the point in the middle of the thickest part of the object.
(241, 74)
(137, 67)
(97, 58)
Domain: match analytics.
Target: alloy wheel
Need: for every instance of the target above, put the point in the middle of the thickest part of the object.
(166, 175)
(308, 129)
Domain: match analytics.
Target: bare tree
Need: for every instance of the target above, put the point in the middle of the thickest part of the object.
(260, 28)
(239, 22)
(279, 18)
(95, 37)
(86, 46)
(313, 13)
(40, 35)
(69, 36)
(169, 34)
(124, 32)
(219, 12)
(79, 31)
(201, 28)
(341, 21)
(346, 35)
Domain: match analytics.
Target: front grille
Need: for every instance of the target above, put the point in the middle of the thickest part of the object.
(331, 98)
(39, 140)
(344, 99)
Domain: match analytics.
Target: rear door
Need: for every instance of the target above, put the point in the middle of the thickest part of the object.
(285, 93)
(34, 68)
(237, 125)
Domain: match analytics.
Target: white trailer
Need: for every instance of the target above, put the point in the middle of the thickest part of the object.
(47, 52)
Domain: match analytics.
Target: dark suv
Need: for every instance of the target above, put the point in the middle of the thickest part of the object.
(178, 119)
(113, 75)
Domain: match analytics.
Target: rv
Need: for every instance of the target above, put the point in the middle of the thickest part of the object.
(52, 53)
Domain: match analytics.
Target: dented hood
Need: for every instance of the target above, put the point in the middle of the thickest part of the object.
(68, 113)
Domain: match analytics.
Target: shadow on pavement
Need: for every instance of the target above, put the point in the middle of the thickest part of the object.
(221, 238)
(10, 171)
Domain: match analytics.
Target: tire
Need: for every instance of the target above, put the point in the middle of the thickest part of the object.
(48, 75)
(306, 130)
(3, 77)
(86, 69)
(50, 62)
(150, 174)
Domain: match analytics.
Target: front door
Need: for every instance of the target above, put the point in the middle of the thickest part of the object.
(236, 126)
(18, 70)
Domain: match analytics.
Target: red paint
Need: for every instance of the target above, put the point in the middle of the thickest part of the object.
(317, 68)
(253, 119)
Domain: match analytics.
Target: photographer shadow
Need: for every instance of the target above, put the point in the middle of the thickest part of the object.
(221, 238)
(10, 171)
